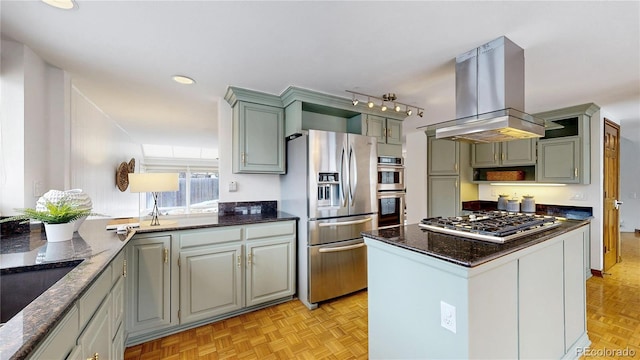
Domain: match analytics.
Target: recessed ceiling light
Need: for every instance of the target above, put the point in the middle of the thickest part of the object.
(61, 4)
(180, 79)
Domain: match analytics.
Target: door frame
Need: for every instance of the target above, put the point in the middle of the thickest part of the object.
(606, 172)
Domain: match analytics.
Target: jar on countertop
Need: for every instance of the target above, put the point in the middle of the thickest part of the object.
(502, 202)
(513, 205)
(528, 204)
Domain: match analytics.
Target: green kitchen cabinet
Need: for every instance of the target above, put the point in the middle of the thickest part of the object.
(509, 153)
(560, 161)
(270, 260)
(95, 340)
(444, 196)
(448, 177)
(210, 281)
(564, 153)
(258, 144)
(443, 156)
(386, 131)
(149, 283)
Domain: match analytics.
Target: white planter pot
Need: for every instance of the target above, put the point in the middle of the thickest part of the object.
(59, 232)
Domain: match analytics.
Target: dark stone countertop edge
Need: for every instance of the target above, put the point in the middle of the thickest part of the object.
(22, 334)
(534, 239)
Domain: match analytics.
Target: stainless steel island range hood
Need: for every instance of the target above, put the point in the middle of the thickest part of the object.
(490, 97)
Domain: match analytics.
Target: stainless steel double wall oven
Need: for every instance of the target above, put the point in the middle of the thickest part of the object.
(391, 191)
(331, 185)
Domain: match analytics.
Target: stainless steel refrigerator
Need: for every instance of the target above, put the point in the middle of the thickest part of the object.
(330, 185)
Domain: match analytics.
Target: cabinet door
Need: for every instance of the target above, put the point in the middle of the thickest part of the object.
(394, 132)
(375, 127)
(149, 283)
(258, 139)
(270, 270)
(485, 155)
(518, 152)
(62, 340)
(117, 300)
(444, 196)
(540, 303)
(574, 290)
(559, 160)
(443, 156)
(210, 282)
(96, 337)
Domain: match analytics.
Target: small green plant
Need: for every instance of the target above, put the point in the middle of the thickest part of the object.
(61, 212)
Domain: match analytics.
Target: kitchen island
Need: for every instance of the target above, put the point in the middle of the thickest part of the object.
(434, 295)
(92, 251)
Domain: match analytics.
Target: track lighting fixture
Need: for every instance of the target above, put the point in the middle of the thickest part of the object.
(388, 97)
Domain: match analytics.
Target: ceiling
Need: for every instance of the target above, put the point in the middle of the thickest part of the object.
(122, 54)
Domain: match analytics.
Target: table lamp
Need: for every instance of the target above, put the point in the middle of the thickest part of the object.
(153, 183)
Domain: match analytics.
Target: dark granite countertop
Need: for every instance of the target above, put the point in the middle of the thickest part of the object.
(462, 251)
(95, 247)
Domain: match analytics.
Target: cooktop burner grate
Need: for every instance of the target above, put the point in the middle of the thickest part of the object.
(494, 226)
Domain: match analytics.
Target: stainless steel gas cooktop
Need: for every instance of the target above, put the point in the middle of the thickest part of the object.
(493, 226)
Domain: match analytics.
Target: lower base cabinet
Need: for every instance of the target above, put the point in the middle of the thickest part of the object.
(92, 329)
(181, 279)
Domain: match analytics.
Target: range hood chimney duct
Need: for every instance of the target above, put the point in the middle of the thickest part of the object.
(490, 96)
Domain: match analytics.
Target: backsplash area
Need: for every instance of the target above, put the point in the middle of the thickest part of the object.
(247, 208)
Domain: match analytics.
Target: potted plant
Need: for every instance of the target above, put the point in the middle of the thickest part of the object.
(58, 218)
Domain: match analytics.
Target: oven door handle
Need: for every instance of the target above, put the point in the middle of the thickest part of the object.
(340, 248)
(344, 223)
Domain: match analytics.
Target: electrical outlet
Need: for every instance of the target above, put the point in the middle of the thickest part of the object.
(233, 186)
(448, 316)
(37, 188)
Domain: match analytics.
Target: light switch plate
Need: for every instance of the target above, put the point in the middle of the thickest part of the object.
(233, 186)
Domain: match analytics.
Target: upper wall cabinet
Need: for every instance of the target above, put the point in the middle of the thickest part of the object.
(508, 153)
(565, 150)
(258, 132)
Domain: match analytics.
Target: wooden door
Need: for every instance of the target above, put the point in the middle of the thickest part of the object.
(611, 193)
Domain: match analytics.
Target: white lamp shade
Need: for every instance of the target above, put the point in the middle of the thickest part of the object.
(153, 182)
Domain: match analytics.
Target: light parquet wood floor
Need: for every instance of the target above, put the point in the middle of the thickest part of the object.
(338, 329)
(613, 304)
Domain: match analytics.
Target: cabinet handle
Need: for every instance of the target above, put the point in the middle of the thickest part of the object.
(249, 260)
(456, 184)
(384, 132)
(455, 166)
(503, 156)
(166, 256)
(124, 268)
(388, 132)
(95, 356)
(239, 261)
(244, 158)
(575, 172)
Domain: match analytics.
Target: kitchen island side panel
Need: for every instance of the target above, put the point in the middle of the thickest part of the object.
(485, 302)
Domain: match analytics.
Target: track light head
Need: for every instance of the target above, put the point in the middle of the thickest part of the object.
(369, 103)
(383, 107)
(420, 112)
(409, 112)
(354, 102)
(396, 107)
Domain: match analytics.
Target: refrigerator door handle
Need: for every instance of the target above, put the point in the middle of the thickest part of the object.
(343, 175)
(352, 166)
(344, 223)
(340, 248)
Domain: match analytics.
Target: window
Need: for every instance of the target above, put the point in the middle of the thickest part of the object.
(197, 194)
(198, 176)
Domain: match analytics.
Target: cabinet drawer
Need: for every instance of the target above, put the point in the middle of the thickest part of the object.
(208, 237)
(94, 296)
(117, 268)
(269, 230)
(62, 340)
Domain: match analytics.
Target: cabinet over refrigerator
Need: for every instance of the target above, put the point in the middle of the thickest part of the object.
(331, 186)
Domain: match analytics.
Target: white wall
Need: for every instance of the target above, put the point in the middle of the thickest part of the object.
(630, 174)
(11, 127)
(416, 176)
(251, 187)
(33, 118)
(98, 146)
